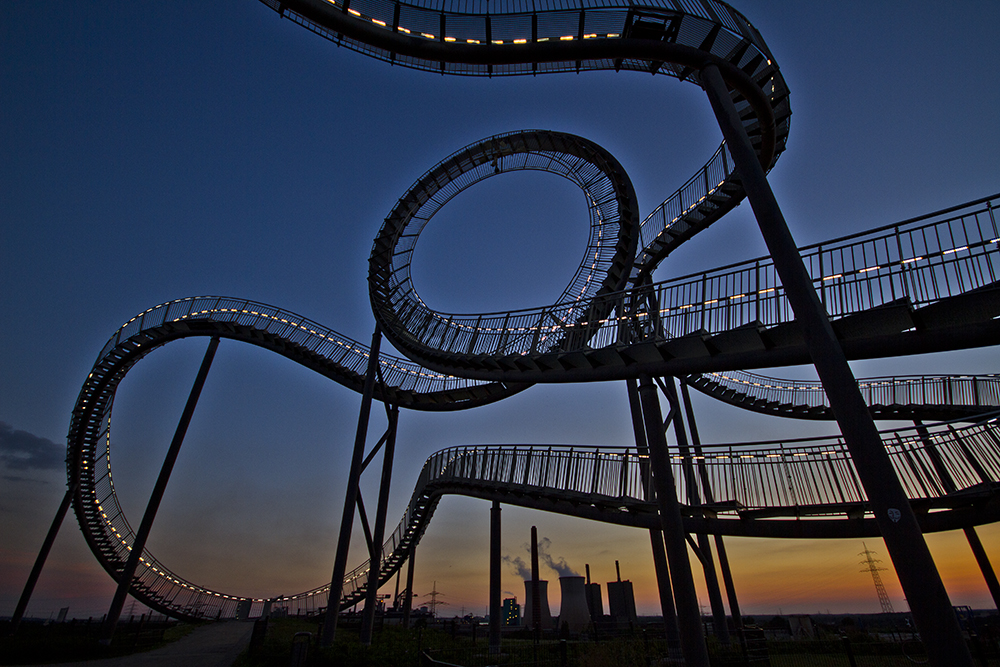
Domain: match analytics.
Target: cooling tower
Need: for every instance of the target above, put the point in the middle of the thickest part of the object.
(529, 614)
(573, 610)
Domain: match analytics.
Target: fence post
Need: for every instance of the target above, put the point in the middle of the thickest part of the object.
(849, 651)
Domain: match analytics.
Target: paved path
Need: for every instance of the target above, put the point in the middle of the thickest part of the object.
(212, 645)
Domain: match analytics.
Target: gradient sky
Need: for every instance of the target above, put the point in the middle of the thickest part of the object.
(153, 151)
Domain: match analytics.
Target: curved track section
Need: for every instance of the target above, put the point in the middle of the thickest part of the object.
(671, 38)
(318, 348)
(932, 397)
(925, 285)
(607, 260)
(956, 272)
(917, 287)
(793, 489)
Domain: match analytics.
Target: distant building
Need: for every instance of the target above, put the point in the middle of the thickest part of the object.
(511, 613)
(595, 603)
(621, 599)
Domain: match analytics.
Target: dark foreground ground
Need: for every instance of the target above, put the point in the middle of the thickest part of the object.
(284, 642)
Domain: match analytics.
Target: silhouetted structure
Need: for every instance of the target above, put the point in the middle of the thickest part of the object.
(923, 285)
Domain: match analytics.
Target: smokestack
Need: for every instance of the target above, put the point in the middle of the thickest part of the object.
(535, 591)
(595, 603)
(573, 610)
(543, 613)
(618, 571)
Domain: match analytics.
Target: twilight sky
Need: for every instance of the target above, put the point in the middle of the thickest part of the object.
(153, 151)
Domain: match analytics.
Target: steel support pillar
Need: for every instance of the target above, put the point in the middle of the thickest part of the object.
(688, 614)
(670, 631)
(43, 554)
(984, 564)
(495, 618)
(918, 575)
(139, 544)
(695, 498)
(727, 580)
(378, 534)
(536, 593)
(709, 498)
(949, 486)
(408, 593)
(351, 496)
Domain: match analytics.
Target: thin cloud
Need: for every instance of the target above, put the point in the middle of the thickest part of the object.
(20, 450)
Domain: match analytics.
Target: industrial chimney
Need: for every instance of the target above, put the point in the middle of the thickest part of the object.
(573, 611)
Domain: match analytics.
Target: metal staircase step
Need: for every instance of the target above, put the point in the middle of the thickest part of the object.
(889, 318)
(746, 338)
(976, 307)
(690, 346)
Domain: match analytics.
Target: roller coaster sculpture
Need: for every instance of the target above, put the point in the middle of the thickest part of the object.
(922, 285)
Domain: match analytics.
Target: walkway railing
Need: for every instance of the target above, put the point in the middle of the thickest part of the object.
(918, 262)
(348, 353)
(979, 391)
(807, 478)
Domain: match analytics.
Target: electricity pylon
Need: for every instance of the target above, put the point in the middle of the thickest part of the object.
(870, 566)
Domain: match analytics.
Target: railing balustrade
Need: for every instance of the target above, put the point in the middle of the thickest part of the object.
(917, 262)
(923, 390)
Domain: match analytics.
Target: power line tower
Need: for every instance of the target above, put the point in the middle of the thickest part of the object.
(433, 604)
(870, 566)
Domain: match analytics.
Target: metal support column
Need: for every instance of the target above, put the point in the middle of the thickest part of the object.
(688, 614)
(43, 554)
(695, 498)
(351, 496)
(949, 486)
(378, 534)
(495, 618)
(536, 595)
(408, 593)
(670, 630)
(918, 575)
(709, 498)
(984, 564)
(139, 545)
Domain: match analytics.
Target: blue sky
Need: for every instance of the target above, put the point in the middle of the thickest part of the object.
(152, 151)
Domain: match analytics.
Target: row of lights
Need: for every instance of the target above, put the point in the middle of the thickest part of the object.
(666, 311)
(427, 35)
(817, 386)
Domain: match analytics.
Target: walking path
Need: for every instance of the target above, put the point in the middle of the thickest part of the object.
(212, 645)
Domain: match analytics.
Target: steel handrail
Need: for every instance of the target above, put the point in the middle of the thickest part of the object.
(916, 264)
(975, 393)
